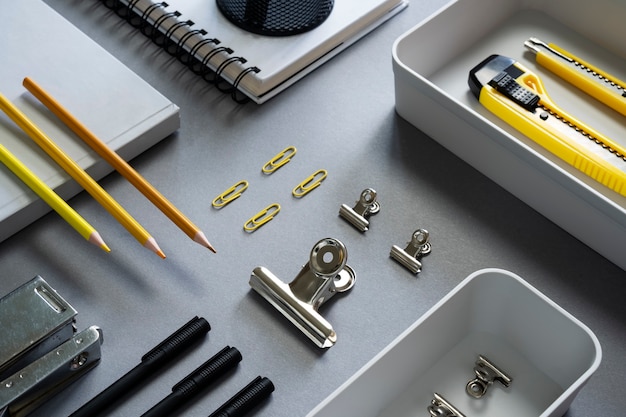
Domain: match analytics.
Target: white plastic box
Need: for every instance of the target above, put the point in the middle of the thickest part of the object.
(431, 64)
(549, 354)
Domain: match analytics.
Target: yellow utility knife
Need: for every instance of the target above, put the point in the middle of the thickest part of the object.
(517, 95)
(600, 85)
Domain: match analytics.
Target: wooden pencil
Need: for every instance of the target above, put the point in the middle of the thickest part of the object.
(117, 162)
(80, 176)
(47, 194)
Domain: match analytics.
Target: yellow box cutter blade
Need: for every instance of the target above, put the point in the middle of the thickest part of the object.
(600, 85)
(517, 95)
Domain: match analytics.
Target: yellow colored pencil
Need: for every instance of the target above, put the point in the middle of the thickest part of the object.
(80, 176)
(120, 165)
(48, 195)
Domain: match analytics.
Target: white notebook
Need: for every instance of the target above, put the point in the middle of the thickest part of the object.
(281, 60)
(117, 105)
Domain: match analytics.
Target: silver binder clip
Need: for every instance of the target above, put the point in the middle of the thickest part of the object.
(440, 407)
(486, 373)
(366, 206)
(40, 354)
(325, 275)
(410, 256)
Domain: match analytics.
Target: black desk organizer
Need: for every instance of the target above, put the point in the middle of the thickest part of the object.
(276, 17)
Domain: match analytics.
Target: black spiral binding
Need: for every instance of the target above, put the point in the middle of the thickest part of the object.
(189, 57)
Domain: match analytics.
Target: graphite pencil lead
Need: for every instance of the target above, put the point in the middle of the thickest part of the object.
(97, 240)
(201, 239)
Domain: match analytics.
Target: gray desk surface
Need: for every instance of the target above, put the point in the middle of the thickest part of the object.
(341, 118)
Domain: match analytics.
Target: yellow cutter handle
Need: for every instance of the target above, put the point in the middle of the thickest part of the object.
(594, 87)
(553, 140)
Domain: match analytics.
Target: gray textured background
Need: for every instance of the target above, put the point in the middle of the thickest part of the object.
(341, 118)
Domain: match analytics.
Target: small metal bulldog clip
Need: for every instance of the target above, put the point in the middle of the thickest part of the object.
(410, 256)
(366, 206)
(325, 275)
(440, 407)
(486, 373)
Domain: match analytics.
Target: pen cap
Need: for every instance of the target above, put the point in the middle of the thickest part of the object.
(208, 372)
(246, 399)
(179, 340)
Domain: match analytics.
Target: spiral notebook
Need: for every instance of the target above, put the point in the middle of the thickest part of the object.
(249, 65)
(115, 103)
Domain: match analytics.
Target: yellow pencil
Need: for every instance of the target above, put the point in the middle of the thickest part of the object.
(118, 163)
(80, 176)
(48, 195)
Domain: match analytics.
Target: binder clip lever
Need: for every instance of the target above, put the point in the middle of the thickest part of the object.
(486, 373)
(325, 275)
(440, 407)
(410, 256)
(358, 215)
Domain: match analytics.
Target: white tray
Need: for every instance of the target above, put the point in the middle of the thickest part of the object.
(431, 65)
(549, 354)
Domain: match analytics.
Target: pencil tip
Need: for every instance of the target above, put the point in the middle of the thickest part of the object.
(97, 240)
(201, 239)
(152, 244)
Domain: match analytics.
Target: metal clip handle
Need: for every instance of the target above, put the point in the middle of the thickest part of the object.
(365, 207)
(325, 275)
(486, 373)
(410, 256)
(440, 407)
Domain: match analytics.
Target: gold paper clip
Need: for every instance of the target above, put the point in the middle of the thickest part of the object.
(231, 194)
(310, 183)
(279, 160)
(262, 217)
